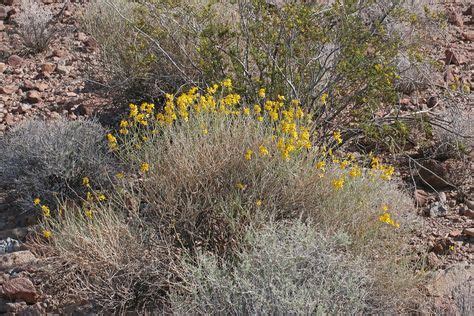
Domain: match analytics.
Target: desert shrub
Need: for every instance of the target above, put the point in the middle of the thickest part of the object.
(35, 25)
(343, 59)
(48, 160)
(288, 268)
(207, 169)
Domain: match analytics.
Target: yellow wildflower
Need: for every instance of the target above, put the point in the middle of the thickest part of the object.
(102, 197)
(337, 137)
(338, 183)
(36, 201)
(261, 93)
(257, 109)
(263, 150)
(227, 83)
(120, 175)
(89, 196)
(88, 213)
(248, 154)
(320, 165)
(324, 98)
(145, 167)
(46, 211)
(246, 111)
(86, 182)
(260, 118)
(355, 172)
(258, 202)
(47, 233)
(240, 186)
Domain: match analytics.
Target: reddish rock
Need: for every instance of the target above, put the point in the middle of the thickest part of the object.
(452, 57)
(41, 86)
(33, 96)
(10, 89)
(47, 68)
(449, 76)
(455, 233)
(468, 232)
(20, 289)
(10, 2)
(15, 61)
(28, 85)
(91, 43)
(455, 18)
(468, 36)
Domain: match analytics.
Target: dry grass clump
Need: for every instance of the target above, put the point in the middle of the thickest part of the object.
(49, 159)
(35, 25)
(206, 173)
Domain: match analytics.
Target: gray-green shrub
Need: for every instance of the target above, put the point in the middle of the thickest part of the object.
(49, 159)
(288, 268)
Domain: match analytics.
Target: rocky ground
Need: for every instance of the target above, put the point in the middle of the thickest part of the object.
(57, 83)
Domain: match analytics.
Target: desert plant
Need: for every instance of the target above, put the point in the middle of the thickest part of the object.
(288, 268)
(35, 25)
(207, 169)
(47, 160)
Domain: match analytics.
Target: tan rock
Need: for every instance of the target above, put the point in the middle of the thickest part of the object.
(3, 67)
(47, 68)
(18, 258)
(468, 232)
(10, 89)
(468, 36)
(33, 96)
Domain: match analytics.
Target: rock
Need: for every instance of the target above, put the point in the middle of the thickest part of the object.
(63, 70)
(468, 232)
(3, 67)
(469, 213)
(448, 76)
(18, 258)
(3, 12)
(91, 43)
(59, 53)
(442, 198)
(468, 36)
(433, 260)
(455, 18)
(2, 26)
(452, 57)
(9, 245)
(15, 61)
(455, 233)
(24, 108)
(33, 96)
(20, 289)
(421, 197)
(470, 204)
(47, 68)
(432, 101)
(452, 290)
(81, 36)
(438, 210)
(14, 308)
(433, 174)
(10, 89)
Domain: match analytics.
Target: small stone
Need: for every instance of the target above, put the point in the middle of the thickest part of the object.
(2, 26)
(442, 198)
(468, 36)
(33, 96)
(81, 36)
(433, 260)
(28, 85)
(9, 245)
(432, 101)
(10, 89)
(20, 289)
(433, 174)
(47, 68)
(71, 94)
(438, 210)
(3, 67)
(468, 232)
(3, 12)
(470, 204)
(469, 213)
(24, 108)
(17, 258)
(41, 86)
(59, 53)
(15, 61)
(455, 18)
(455, 233)
(63, 70)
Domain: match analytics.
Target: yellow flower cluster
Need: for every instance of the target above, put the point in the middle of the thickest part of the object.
(91, 198)
(386, 171)
(387, 218)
